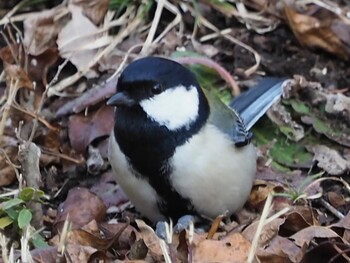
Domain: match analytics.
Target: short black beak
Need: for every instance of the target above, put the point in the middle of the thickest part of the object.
(121, 99)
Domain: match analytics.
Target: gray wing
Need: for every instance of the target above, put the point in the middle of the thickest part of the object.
(228, 121)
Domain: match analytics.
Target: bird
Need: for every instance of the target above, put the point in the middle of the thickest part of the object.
(175, 148)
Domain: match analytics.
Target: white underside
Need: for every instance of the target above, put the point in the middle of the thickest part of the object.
(210, 171)
(140, 193)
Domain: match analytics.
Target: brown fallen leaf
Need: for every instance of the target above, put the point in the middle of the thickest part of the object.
(269, 231)
(280, 249)
(343, 223)
(95, 10)
(109, 191)
(336, 199)
(8, 174)
(233, 248)
(306, 235)
(79, 40)
(315, 32)
(328, 251)
(82, 130)
(41, 30)
(299, 218)
(47, 254)
(260, 191)
(82, 206)
(150, 238)
(78, 253)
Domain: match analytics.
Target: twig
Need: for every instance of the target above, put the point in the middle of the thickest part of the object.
(225, 33)
(218, 68)
(63, 156)
(16, 106)
(42, 100)
(29, 155)
(340, 253)
(4, 250)
(177, 20)
(260, 227)
(118, 38)
(331, 209)
(26, 257)
(215, 225)
(61, 248)
(154, 26)
(6, 18)
(14, 86)
(190, 242)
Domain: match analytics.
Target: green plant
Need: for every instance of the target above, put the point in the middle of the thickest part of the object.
(14, 212)
(301, 192)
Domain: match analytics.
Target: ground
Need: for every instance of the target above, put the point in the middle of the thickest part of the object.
(57, 70)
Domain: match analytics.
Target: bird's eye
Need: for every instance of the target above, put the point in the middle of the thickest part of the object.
(156, 89)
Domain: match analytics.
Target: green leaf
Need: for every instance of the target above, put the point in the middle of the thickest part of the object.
(24, 217)
(39, 242)
(300, 107)
(11, 203)
(5, 221)
(39, 193)
(12, 213)
(291, 154)
(27, 194)
(282, 151)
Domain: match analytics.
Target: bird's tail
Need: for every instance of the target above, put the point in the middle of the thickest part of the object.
(255, 102)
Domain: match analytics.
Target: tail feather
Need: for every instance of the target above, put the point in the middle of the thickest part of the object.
(255, 102)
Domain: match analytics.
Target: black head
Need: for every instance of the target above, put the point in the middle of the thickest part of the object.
(165, 90)
(150, 76)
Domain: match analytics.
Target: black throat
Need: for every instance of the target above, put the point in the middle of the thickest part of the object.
(149, 148)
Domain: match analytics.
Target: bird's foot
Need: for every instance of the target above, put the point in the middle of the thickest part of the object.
(184, 222)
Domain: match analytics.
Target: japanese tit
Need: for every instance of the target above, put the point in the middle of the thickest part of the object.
(175, 149)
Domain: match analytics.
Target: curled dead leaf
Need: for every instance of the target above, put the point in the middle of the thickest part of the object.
(322, 32)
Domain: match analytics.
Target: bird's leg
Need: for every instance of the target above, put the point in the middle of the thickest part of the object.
(183, 223)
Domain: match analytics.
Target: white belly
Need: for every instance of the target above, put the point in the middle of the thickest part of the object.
(140, 193)
(210, 171)
(214, 174)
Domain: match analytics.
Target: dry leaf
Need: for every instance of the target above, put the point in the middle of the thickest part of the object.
(82, 206)
(269, 231)
(316, 33)
(84, 129)
(95, 10)
(231, 249)
(79, 39)
(306, 235)
(40, 31)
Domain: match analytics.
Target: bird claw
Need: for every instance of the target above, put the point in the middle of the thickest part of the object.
(183, 223)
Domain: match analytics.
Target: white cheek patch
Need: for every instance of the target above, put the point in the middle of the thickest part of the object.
(175, 107)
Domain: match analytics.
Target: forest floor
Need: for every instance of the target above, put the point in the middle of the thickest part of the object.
(60, 62)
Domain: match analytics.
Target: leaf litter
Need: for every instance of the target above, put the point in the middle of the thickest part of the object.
(61, 63)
